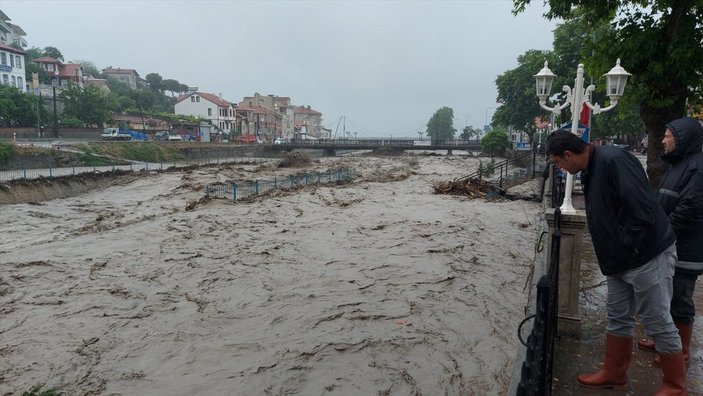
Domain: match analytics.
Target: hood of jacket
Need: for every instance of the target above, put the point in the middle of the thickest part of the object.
(688, 134)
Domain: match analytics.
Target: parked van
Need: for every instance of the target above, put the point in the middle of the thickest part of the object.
(161, 135)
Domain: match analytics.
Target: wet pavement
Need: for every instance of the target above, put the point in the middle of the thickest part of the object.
(576, 356)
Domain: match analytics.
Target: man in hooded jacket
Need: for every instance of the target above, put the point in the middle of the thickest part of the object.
(681, 195)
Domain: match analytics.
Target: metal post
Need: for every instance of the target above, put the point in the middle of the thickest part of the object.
(576, 103)
(39, 116)
(56, 116)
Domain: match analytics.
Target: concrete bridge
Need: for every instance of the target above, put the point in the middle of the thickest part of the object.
(330, 145)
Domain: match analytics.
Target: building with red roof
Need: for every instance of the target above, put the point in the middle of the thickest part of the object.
(63, 73)
(220, 112)
(311, 120)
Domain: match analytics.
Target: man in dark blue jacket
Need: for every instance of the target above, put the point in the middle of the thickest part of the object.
(634, 244)
(681, 195)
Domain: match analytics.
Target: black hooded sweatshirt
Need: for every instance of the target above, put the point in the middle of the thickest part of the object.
(681, 193)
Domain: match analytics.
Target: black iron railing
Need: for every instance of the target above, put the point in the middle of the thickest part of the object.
(536, 373)
(508, 169)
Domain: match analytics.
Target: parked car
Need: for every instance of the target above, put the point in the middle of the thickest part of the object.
(161, 135)
(281, 140)
(246, 139)
(174, 138)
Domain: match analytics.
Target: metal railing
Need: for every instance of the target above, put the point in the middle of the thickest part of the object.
(558, 186)
(244, 190)
(51, 172)
(536, 373)
(509, 170)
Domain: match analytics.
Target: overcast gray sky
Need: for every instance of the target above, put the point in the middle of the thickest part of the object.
(386, 66)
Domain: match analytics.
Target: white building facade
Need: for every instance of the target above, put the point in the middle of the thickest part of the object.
(220, 112)
(12, 61)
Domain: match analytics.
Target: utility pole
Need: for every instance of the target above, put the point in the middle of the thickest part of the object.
(54, 83)
(39, 131)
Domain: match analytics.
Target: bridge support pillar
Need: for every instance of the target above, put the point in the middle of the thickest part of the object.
(572, 228)
(329, 152)
(449, 152)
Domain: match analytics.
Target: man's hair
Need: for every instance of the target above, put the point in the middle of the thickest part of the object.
(561, 140)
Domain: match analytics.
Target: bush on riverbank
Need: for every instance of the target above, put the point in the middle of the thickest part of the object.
(7, 152)
(137, 151)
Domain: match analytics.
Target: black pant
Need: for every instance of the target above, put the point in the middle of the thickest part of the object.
(682, 308)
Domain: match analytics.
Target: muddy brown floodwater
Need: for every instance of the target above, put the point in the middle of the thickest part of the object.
(378, 287)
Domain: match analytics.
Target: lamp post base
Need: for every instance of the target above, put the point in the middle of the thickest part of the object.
(567, 207)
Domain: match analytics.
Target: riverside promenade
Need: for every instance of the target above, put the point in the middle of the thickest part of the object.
(576, 356)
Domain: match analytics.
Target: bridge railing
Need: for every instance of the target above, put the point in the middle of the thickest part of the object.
(384, 142)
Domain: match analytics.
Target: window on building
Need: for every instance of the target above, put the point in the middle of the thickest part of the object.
(192, 98)
(3, 58)
(18, 62)
(209, 112)
(12, 61)
(6, 79)
(50, 67)
(197, 99)
(14, 81)
(20, 83)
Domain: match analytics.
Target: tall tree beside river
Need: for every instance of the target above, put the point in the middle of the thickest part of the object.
(440, 126)
(659, 43)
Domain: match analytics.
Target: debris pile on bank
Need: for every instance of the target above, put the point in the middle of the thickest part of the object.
(470, 187)
(294, 159)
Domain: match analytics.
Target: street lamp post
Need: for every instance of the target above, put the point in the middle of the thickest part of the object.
(54, 83)
(486, 126)
(616, 79)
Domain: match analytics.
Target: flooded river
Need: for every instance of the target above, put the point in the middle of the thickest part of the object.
(378, 287)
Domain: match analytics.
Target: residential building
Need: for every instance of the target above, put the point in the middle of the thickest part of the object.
(282, 116)
(64, 73)
(126, 76)
(221, 113)
(12, 61)
(258, 121)
(286, 110)
(10, 34)
(309, 121)
(101, 83)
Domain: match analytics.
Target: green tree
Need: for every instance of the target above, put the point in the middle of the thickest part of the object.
(517, 94)
(31, 67)
(89, 68)
(495, 142)
(53, 52)
(18, 109)
(469, 133)
(154, 80)
(171, 85)
(90, 104)
(440, 126)
(659, 42)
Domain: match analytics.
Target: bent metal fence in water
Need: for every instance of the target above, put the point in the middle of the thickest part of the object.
(244, 190)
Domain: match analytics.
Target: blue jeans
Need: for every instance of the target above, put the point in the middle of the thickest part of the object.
(645, 291)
